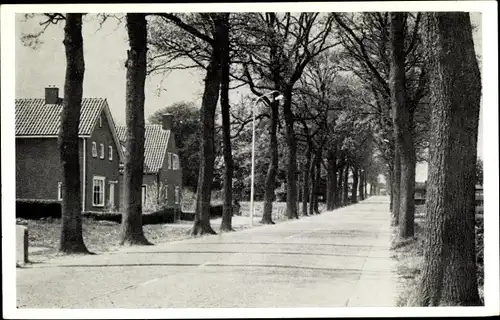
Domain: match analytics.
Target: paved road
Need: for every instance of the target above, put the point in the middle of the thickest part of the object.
(338, 258)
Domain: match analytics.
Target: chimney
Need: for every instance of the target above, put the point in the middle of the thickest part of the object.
(167, 121)
(51, 95)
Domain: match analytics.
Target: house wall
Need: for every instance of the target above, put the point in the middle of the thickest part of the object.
(102, 167)
(171, 177)
(38, 168)
(147, 179)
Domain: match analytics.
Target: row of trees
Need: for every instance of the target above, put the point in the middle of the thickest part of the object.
(356, 93)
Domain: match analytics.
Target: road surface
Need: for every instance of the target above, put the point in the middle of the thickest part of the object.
(338, 258)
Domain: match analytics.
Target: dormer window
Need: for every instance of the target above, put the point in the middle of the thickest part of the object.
(100, 122)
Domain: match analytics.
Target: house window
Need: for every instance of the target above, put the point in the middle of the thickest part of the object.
(59, 191)
(100, 122)
(166, 193)
(177, 195)
(94, 149)
(175, 164)
(102, 150)
(110, 149)
(98, 191)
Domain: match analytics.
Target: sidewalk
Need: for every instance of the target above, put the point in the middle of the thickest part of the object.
(338, 258)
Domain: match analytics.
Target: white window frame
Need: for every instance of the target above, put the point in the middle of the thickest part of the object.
(177, 195)
(102, 150)
(169, 160)
(110, 151)
(94, 149)
(103, 191)
(166, 193)
(59, 191)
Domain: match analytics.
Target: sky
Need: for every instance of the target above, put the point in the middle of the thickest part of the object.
(105, 54)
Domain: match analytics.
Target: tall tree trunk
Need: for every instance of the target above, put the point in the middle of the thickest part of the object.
(131, 231)
(273, 165)
(365, 177)
(449, 269)
(227, 211)
(291, 176)
(345, 185)
(339, 197)
(355, 176)
(390, 189)
(402, 124)
(71, 240)
(201, 223)
(361, 186)
(312, 191)
(331, 180)
(317, 171)
(396, 183)
(273, 127)
(306, 183)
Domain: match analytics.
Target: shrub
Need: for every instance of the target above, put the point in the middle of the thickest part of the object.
(166, 215)
(37, 209)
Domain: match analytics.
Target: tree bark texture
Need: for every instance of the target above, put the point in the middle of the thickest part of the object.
(227, 211)
(291, 174)
(306, 181)
(71, 239)
(390, 189)
(132, 232)
(365, 183)
(317, 171)
(312, 177)
(449, 269)
(396, 183)
(273, 164)
(207, 117)
(339, 197)
(331, 180)
(272, 169)
(345, 185)
(361, 186)
(402, 124)
(355, 178)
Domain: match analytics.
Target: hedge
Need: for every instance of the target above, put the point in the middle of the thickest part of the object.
(38, 209)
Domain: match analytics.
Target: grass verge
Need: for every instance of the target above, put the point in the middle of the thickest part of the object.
(409, 255)
(103, 236)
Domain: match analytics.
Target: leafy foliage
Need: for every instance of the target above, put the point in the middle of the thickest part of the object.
(186, 128)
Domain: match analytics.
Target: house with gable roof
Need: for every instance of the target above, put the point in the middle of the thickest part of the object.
(162, 177)
(38, 166)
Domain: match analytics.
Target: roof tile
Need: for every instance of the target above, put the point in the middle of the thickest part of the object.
(35, 118)
(155, 146)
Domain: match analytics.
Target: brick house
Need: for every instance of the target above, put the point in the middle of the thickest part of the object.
(162, 179)
(38, 166)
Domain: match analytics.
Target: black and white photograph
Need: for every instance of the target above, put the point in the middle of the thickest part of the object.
(214, 160)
